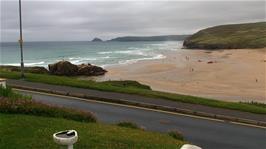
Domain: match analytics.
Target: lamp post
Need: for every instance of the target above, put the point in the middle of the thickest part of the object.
(21, 42)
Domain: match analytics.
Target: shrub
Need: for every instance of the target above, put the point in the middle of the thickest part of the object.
(176, 134)
(126, 83)
(8, 92)
(263, 105)
(30, 107)
(128, 125)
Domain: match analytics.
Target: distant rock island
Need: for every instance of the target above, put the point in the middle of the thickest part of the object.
(234, 36)
(151, 38)
(97, 40)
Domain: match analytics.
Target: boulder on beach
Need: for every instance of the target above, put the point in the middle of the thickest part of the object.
(90, 70)
(63, 68)
(68, 69)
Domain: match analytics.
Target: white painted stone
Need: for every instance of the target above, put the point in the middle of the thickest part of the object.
(189, 146)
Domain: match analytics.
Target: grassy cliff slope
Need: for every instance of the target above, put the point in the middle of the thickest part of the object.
(235, 36)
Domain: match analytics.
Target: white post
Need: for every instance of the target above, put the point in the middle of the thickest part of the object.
(70, 146)
(3, 83)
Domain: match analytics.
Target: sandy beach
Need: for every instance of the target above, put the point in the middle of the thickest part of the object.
(231, 75)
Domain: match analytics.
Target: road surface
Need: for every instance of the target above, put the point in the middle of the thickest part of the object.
(209, 134)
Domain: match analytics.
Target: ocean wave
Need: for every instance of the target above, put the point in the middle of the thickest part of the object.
(80, 60)
(142, 48)
(131, 51)
(105, 52)
(132, 61)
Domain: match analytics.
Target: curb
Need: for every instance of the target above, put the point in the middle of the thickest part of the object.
(149, 106)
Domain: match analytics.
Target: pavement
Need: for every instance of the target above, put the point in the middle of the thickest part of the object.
(207, 133)
(139, 99)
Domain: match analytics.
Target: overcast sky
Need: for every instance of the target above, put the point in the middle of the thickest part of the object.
(84, 20)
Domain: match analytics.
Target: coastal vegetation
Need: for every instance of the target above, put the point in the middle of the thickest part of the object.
(233, 36)
(14, 103)
(35, 69)
(132, 88)
(28, 124)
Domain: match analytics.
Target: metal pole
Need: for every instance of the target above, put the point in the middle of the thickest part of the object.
(21, 42)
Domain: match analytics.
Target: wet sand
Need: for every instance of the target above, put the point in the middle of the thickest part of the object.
(231, 75)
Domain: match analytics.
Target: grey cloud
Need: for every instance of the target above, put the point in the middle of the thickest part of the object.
(83, 20)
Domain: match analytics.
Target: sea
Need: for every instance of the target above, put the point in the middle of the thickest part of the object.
(103, 54)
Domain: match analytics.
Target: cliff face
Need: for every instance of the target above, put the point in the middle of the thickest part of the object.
(235, 36)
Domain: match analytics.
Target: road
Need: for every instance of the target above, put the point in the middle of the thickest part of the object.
(207, 133)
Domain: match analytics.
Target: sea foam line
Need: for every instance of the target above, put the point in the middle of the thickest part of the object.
(26, 64)
(132, 61)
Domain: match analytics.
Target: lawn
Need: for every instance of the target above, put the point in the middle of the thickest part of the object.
(24, 131)
(29, 124)
(133, 87)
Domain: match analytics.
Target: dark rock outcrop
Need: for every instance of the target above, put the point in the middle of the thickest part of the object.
(68, 69)
(90, 70)
(63, 68)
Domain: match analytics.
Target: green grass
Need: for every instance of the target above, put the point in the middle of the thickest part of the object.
(23, 132)
(7, 92)
(235, 36)
(255, 103)
(107, 86)
(176, 134)
(128, 125)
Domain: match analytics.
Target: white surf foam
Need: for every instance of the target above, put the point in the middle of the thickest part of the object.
(132, 61)
(26, 64)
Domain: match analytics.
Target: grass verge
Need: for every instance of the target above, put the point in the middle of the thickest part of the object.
(133, 89)
(128, 124)
(7, 92)
(14, 103)
(25, 132)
